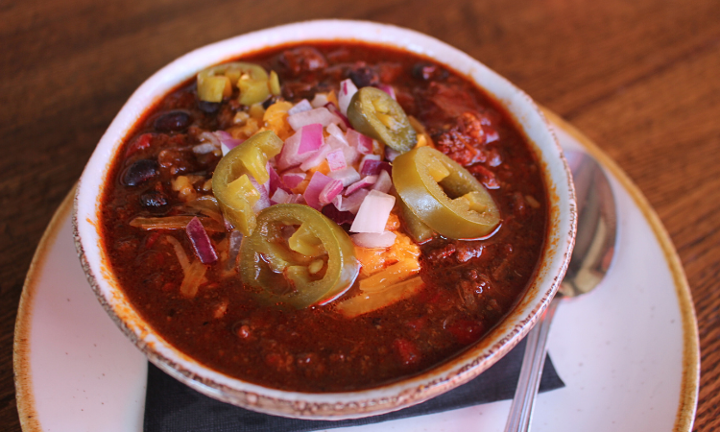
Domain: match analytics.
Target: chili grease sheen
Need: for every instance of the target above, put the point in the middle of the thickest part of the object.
(458, 291)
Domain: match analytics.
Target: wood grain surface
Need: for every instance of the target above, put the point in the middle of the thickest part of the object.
(641, 79)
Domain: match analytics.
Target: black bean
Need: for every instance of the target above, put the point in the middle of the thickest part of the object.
(153, 200)
(173, 121)
(140, 172)
(269, 102)
(364, 76)
(208, 107)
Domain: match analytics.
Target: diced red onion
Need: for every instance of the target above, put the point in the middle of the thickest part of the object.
(275, 181)
(266, 186)
(296, 199)
(347, 175)
(391, 154)
(227, 142)
(316, 158)
(337, 216)
(365, 182)
(320, 99)
(370, 165)
(329, 192)
(300, 146)
(317, 115)
(290, 156)
(264, 201)
(338, 202)
(384, 182)
(201, 241)
(374, 167)
(347, 90)
(302, 106)
(388, 89)
(292, 180)
(335, 110)
(384, 239)
(351, 155)
(280, 197)
(351, 203)
(233, 249)
(334, 142)
(335, 131)
(315, 186)
(336, 160)
(311, 138)
(373, 213)
(362, 143)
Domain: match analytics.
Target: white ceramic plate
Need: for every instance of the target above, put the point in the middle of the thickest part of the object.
(628, 352)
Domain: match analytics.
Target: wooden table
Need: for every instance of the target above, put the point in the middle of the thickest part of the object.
(642, 79)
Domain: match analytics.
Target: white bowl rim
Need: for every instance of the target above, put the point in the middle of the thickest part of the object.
(333, 406)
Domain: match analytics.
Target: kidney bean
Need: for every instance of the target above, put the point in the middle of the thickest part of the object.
(140, 172)
(173, 121)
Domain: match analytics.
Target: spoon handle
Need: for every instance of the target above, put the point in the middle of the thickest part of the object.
(530, 372)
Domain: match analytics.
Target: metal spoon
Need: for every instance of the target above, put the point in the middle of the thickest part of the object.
(594, 249)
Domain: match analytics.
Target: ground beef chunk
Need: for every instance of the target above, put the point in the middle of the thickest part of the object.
(463, 142)
(486, 177)
(175, 161)
(443, 102)
(302, 59)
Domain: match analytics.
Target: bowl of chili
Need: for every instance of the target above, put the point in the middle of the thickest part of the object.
(325, 220)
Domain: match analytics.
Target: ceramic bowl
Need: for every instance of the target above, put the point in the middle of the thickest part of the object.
(386, 398)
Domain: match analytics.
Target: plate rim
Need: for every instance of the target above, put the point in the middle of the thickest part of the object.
(690, 381)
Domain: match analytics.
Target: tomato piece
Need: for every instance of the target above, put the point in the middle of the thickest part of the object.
(140, 143)
(408, 352)
(465, 331)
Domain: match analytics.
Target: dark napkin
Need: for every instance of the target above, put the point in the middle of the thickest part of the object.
(173, 407)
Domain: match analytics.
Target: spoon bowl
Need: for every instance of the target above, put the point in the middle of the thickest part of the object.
(597, 226)
(590, 261)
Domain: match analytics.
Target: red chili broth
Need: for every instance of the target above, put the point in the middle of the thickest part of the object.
(469, 285)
